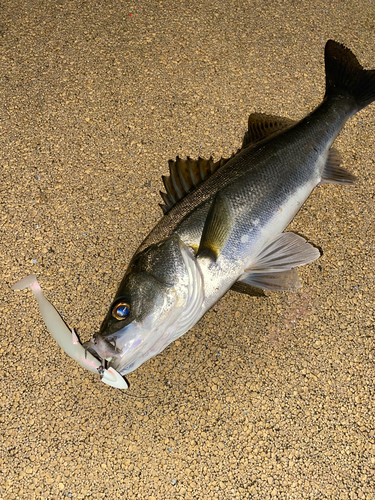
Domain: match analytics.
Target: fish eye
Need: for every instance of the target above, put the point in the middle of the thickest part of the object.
(121, 310)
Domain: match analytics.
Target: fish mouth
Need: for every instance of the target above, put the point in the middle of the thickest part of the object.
(135, 343)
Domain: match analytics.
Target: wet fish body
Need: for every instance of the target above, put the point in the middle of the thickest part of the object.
(223, 223)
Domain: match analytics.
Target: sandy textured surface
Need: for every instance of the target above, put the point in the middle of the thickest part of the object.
(263, 398)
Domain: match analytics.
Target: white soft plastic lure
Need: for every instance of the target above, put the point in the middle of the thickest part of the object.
(68, 340)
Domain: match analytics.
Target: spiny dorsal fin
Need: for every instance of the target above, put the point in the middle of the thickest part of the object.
(261, 126)
(185, 175)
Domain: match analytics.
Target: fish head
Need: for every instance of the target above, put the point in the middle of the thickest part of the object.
(159, 299)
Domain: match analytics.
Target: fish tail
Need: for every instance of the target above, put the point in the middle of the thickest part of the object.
(345, 75)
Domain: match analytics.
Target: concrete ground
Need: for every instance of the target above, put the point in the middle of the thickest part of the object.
(265, 397)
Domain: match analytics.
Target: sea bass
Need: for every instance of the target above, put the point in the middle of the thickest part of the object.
(223, 222)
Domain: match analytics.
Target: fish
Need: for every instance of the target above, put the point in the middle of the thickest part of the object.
(223, 224)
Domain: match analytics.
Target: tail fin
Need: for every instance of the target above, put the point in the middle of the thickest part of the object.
(344, 75)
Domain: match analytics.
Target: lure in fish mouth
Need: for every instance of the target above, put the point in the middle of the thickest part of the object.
(223, 224)
(67, 339)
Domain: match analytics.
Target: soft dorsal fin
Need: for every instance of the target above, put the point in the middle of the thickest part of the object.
(185, 175)
(262, 126)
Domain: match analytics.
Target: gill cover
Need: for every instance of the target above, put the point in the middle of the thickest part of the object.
(163, 289)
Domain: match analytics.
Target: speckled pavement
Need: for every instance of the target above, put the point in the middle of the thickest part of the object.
(263, 398)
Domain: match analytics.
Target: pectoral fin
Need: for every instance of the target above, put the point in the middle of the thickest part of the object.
(216, 229)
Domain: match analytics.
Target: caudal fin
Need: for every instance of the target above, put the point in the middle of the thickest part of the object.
(345, 76)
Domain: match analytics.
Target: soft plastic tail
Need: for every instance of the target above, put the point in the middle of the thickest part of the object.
(66, 339)
(345, 76)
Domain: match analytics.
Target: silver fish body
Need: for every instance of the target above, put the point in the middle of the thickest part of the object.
(227, 230)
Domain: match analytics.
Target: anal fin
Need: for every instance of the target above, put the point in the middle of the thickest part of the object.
(333, 172)
(286, 251)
